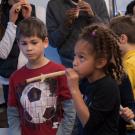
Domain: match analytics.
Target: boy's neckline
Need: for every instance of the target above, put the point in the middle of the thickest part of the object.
(46, 61)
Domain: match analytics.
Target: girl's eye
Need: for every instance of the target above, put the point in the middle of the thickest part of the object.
(82, 58)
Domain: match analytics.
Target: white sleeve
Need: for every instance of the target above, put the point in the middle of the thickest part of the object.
(7, 41)
(41, 13)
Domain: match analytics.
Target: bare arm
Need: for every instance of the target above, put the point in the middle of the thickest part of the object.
(80, 106)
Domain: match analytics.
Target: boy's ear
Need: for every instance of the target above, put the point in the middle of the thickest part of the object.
(100, 63)
(46, 42)
(123, 39)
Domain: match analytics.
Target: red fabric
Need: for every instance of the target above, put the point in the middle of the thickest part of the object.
(16, 92)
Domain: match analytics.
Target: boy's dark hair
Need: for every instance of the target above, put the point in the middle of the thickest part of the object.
(129, 9)
(105, 45)
(124, 25)
(31, 26)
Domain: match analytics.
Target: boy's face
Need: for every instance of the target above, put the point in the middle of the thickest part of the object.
(33, 47)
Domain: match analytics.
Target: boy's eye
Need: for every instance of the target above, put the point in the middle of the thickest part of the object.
(34, 42)
(23, 43)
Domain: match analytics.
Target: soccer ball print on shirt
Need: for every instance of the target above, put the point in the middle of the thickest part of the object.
(39, 101)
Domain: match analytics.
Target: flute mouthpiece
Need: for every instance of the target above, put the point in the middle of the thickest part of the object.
(18, 9)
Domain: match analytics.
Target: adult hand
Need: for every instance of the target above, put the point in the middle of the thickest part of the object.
(71, 15)
(85, 7)
(13, 15)
(26, 9)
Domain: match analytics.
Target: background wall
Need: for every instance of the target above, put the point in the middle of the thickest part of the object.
(120, 5)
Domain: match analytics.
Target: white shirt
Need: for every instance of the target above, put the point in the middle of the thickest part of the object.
(7, 41)
(6, 45)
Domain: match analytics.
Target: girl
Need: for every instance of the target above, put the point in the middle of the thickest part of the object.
(97, 62)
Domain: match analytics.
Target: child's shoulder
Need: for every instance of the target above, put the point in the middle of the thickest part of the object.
(107, 83)
(56, 66)
(18, 72)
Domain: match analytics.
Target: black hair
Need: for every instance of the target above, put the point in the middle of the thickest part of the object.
(129, 9)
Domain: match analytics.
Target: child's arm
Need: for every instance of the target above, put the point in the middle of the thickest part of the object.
(13, 121)
(7, 41)
(80, 106)
(66, 126)
(126, 113)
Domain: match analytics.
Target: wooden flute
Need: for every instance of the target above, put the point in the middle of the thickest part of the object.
(42, 77)
(19, 7)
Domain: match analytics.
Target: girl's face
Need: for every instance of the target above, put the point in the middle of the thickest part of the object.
(84, 59)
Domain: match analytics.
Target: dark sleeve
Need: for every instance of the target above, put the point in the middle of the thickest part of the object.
(103, 103)
(33, 13)
(101, 10)
(126, 94)
(57, 33)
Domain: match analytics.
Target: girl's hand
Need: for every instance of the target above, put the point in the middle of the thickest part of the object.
(126, 113)
(73, 80)
(85, 7)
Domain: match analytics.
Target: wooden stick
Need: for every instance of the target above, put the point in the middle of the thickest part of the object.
(132, 122)
(42, 77)
(19, 7)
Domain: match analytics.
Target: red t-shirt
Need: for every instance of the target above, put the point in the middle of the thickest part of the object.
(38, 103)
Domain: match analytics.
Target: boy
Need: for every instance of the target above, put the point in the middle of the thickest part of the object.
(124, 27)
(37, 108)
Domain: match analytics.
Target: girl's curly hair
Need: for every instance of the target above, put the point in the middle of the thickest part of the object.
(105, 45)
